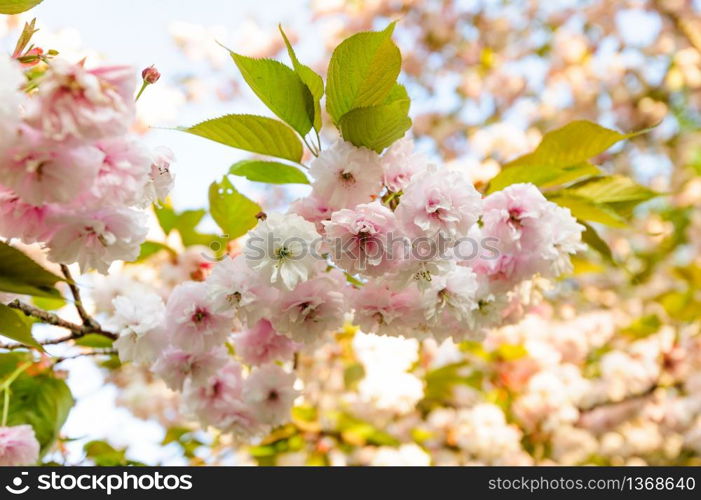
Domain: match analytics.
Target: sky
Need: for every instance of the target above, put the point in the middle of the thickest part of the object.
(136, 32)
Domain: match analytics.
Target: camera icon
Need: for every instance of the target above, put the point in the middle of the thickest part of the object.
(17, 488)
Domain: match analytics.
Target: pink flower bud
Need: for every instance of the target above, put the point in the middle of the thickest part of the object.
(150, 74)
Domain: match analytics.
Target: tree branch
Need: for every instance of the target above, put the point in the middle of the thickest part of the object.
(631, 397)
(89, 324)
(75, 291)
(77, 331)
(82, 354)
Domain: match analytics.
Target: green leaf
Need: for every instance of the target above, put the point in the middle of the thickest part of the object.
(581, 265)
(41, 401)
(592, 238)
(397, 93)
(104, 454)
(268, 171)
(186, 226)
(440, 382)
(680, 305)
(233, 212)
(542, 176)
(362, 72)
(149, 248)
(258, 134)
(352, 375)
(643, 326)
(185, 223)
(612, 189)
(94, 340)
(174, 434)
(511, 352)
(310, 78)
(353, 280)
(111, 363)
(588, 210)
(376, 127)
(14, 325)
(20, 274)
(359, 432)
(167, 218)
(280, 88)
(572, 144)
(17, 6)
(49, 304)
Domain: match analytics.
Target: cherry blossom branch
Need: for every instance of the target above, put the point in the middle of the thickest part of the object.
(89, 324)
(77, 331)
(75, 291)
(61, 359)
(632, 397)
(623, 407)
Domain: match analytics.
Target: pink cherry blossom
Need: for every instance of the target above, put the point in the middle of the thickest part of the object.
(218, 403)
(400, 163)
(284, 249)
(175, 366)
(312, 310)
(97, 238)
(381, 309)
(313, 209)
(234, 287)
(491, 305)
(261, 344)
(269, 392)
(513, 216)
(500, 265)
(532, 234)
(138, 319)
(360, 239)
(453, 293)
(161, 178)
(42, 171)
(75, 102)
(18, 446)
(345, 175)
(505, 271)
(124, 172)
(439, 200)
(22, 220)
(564, 239)
(11, 81)
(192, 322)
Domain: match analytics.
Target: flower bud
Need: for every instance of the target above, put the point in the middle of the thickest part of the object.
(150, 74)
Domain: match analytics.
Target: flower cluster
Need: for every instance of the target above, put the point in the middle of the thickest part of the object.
(18, 446)
(403, 247)
(71, 176)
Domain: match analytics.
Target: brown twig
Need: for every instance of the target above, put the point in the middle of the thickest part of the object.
(77, 331)
(90, 325)
(632, 397)
(44, 316)
(81, 354)
(75, 291)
